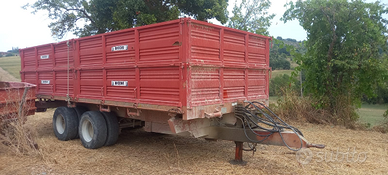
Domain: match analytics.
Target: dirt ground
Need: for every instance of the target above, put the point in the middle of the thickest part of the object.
(138, 152)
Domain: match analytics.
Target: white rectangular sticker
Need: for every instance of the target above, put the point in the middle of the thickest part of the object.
(119, 83)
(45, 81)
(44, 57)
(117, 48)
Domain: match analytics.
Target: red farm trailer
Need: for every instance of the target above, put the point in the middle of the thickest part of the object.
(17, 100)
(183, 77)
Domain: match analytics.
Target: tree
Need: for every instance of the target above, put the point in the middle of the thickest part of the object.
(100, 16)
(381, 91)
(251, 16)
(204, 9)
(14, 50)
(278, 54)
(342, 61)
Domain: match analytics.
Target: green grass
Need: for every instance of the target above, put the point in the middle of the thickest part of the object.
(11, 65)
(372, 114)
(273, 99)
(276, 73)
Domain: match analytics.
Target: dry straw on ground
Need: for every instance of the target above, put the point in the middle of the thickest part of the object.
(15, 136)
(139, 152)
(5, 76)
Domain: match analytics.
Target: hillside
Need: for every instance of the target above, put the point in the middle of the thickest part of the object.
(11, 65)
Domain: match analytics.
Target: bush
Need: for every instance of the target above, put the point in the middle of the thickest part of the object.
(380, 98)
(280, 63)
(9, 55)
(279, 83)
(292, 106)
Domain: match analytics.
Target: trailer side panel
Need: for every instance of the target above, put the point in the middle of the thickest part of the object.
(183, 65)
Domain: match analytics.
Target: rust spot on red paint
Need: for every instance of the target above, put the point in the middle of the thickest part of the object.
(225, 94)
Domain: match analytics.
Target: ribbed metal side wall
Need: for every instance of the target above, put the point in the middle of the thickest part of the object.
(205, 43)
(160, 85)
(229, 65)
(45, 64)
(205, 85)
(30, 77)
(234, 47)
(182, 63)
(121, 93)
(90, 52)
(120, 57)
(61, 85)
(234, 84)
(29, 58)
(257, 84)
(62, 54)
(91, 84)
(257, 50)
(43, 88)
(159, 45)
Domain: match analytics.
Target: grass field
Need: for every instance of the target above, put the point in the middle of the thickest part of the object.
(372, 114)
(273, 99)
(11, 65)
(276, 73)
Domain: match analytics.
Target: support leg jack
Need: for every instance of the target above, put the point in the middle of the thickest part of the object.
(238, 155)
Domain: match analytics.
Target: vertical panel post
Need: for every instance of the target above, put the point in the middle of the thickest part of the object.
(54, 81)
(137, 60)
(77, 63)
(222, 83)
(267, 48)
(36, 72)
(246, 63)
(104, 81)
(182, 60)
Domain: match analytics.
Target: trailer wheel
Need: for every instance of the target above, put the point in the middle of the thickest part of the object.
(92, 130)
(65, 123)
(113, 128)
(80, 110)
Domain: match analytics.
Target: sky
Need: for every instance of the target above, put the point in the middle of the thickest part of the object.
(20, 28)
(291, 29)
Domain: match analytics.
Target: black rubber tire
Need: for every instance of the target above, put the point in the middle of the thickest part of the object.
(92, 130)
(113, 128)
(80, 110)
(65, 123)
